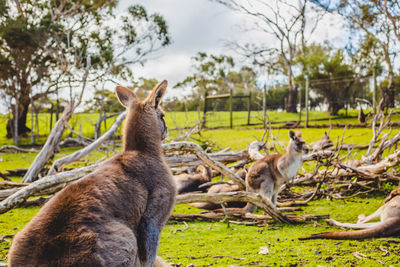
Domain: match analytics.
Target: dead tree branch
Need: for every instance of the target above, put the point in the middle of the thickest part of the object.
(60, 163)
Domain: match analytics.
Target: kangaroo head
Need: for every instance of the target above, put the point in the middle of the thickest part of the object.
(144, 126)
(296, 143)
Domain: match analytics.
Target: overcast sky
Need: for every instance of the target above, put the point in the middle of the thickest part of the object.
(201, 25)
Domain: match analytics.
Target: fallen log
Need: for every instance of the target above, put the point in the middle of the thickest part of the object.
(192, 160)
(49, 182)
(241, 196)
(199, 152)
(7, 149)
(60, 163)
(259, 219)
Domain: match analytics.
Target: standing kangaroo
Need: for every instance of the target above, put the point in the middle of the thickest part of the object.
(389, 225)
(267, 175)
(113, 216)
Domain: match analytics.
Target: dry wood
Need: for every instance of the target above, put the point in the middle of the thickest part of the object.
(220, 198)
(11, 184)
(50, 146)
(174, 160)
(259, 219)
(198, 151)
(60, 163)
(254, 150)
(10, 148)
(55, 135)
(69, 141)
(48, 182)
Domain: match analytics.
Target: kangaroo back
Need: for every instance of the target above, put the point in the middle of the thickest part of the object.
(112, 217)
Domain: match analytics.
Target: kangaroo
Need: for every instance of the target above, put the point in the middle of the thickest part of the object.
(190, 182)
(389, 225)
(267, 175)
(113, 216)
(222, 188)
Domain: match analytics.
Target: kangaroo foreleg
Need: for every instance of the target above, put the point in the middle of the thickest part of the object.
(355, 226)
(148, 241)
(150, 225)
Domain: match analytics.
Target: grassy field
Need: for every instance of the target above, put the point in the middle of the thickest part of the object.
(220, 244)
(84, 123)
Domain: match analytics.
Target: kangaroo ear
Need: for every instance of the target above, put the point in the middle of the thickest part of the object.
(158, 91)
(125, 96)
(292, 135)
(298, 134)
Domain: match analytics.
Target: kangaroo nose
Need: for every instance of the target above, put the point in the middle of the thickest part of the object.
(306, 150)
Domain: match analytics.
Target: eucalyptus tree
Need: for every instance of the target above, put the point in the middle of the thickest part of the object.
(45, 46)
(333, 77)
(209, 75)
(379, 20)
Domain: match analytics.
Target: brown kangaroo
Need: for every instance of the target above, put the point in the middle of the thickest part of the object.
(223, 188)
(389, 225)
(186, 183)
(267, 175)
(113, 216)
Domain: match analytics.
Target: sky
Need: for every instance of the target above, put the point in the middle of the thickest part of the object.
(205, 26)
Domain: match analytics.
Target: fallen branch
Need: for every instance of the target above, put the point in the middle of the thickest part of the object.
(241, 196)
(198, 151)
(60, 163)
(6, 149)
(55, 135)
(51, 181)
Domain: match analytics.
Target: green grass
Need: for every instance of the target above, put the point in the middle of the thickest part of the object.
(85, 122)
(202, 242)
(216, 244)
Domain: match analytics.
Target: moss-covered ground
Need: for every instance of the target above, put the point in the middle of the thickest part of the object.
(220, 244)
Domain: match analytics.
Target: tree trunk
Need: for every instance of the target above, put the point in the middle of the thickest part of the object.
(388, 93)
(292, 98)
(23, 107)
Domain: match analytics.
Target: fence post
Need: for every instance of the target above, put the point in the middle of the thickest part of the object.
(230, 107)
(265, 105)
(16, 115)
(374, 90)
(51, 116)
(249, 109)
(300, 105)
(32, 130)
(204, 110)
(307, 89)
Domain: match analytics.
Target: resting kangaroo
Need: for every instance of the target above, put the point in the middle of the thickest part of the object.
(113, 216)
(389, 225)
(190, 182)
(223, 188)
(268, 174)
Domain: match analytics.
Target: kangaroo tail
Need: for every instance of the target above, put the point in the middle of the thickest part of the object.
(390, 227)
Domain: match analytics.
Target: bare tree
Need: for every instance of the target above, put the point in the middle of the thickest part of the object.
(286, 22)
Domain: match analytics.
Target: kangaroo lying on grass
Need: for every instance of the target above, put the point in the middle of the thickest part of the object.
(388, 226)
(267, 175)
(223, 188)
(113, 216)
(190, 182)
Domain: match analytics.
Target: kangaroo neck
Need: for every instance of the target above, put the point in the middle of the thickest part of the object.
(141, 136)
